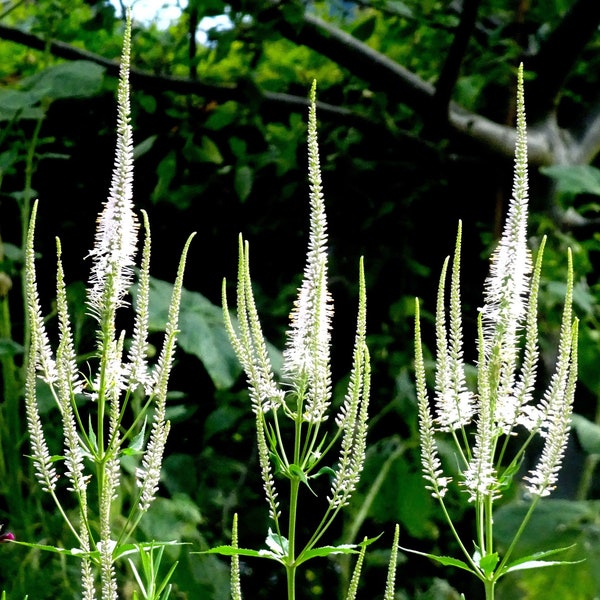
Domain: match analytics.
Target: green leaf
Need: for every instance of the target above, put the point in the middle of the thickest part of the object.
(298, 473)
(209, 152)
(400, 8)
(588, 433)
(223, 115)
(137, 443)
(538, 564)
(329, 550)
(277, 543)
(202, 331)
(447, 561)
(222, 419)
(10, 348)
(324, 471)
(144, 146)
(233, 551)
(243, 181)
(575, 179)
(18, 103)
(508, 475)
(165, 172)
(365, 29)
(73, 79)
(488, 563)
(556, 523)
(537, 557)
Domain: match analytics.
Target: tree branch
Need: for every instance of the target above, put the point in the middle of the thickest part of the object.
(451, 68)
(361, 60)
(374, 67)
(407, 88)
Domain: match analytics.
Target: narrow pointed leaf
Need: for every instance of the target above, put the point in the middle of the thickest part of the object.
(447, 561)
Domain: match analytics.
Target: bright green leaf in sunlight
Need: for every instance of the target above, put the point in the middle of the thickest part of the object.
(536, 561)
(209, 152)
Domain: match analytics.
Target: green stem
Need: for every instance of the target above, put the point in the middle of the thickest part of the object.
(489, 589)
(489, 524)
(291, 565)
(517, 535)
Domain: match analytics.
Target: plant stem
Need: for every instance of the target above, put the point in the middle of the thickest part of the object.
(291, 561)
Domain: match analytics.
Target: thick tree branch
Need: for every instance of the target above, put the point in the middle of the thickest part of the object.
(542, 142)
(273, 103)
(375, 68)
(380, 71)
(404, 86)
(152, 83)
(451, 68)
(589, 139)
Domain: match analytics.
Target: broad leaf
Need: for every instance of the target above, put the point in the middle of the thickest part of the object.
(575, 179)
(73, 79)
(588, 433)
(202, 332)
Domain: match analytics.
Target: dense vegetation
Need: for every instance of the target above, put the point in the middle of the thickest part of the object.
(416, 110)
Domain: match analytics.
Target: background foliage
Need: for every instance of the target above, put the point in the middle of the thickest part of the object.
(416, 110)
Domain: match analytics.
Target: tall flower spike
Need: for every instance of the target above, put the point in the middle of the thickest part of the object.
(40, 359)
(454, 402)
(138, 352)
(430, 461)
(306, 357)
(251, 349)
(116, 235)
(44, 467)
(249, 344)
(353, 414)
(42, 356)
(69, 383)
(557, 404)
(507, 286)
(148, 474)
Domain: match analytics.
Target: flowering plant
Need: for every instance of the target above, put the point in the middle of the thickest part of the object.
(481, 424)
(303, 396)
(93, 406)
